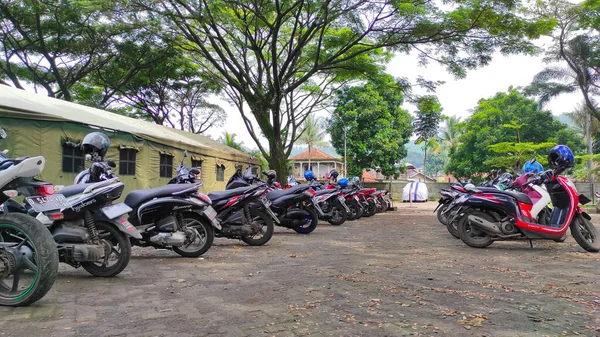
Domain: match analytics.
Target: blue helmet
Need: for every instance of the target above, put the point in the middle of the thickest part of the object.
(533, 166)
(561, 157)
(343, 182)
(309, 175)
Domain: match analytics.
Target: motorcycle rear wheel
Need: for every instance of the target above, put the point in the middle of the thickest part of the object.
(267, 228)
(354, 209)
(311, 222)
(206, 232)
(116, 238)
(372, 208)
(442, 218)
(43, 259)
(339, 214)
(585, 233)
(472, 236)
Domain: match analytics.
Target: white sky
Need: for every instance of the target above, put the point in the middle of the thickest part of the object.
(456, 96)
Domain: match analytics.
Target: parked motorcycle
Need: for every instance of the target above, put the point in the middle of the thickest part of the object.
(294, 206)
(28, 256)
(89, 230)
(335, 210)
(175, 216)
(492, 215)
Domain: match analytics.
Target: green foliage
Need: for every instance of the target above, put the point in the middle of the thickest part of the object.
(429, 113)
(272, 55)
(229, 140)
(483, 128)
(312, 133)
(511, 155)
(377, 128)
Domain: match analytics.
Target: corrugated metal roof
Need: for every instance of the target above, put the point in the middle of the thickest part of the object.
(16, 100)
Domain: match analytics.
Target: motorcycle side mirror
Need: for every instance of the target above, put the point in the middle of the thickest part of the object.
(195, 171)
(185, 154)
(111, 163)
(3, 133)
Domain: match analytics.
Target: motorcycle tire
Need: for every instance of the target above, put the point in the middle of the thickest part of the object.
(342, 214)
(389, 204)
(267, 228)
(354, 209)
(442, 218)
(40, 244)
(311, 222)
(372, 208)
(585, 233)
(453, 228)
(384, 204)
(471, 236)
(114, 236)
(203, 227)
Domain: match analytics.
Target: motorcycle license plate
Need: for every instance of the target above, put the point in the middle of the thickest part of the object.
(265, 201)
(48, 203)
(212, 215)
(116, 210)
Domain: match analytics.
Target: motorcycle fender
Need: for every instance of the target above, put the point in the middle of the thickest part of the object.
(584, 214)
(209, 216)
(168, 204)
(126, 227)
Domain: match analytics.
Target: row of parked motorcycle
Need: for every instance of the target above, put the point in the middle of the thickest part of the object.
(536, 205)
(82, 225)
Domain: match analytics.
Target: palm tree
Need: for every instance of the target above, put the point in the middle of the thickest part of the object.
(229, 140)
(312, 133)
(449, 137)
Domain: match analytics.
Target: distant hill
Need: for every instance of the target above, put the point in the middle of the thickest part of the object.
(564, 118)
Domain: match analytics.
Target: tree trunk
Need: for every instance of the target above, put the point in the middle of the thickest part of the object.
(278, 162)
(424, 160)
(309, 155)
(588, 139)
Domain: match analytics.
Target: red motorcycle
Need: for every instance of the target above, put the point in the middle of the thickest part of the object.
(490, 215)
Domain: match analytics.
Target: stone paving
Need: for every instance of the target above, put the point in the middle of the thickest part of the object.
(396, 274)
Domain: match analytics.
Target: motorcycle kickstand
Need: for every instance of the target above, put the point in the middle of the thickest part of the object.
(530, 243)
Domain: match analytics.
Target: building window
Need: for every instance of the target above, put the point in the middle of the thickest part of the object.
(73, 159)
(197, 164)
(127, 162)
(220, 173)
(166, 166)
(255, 170)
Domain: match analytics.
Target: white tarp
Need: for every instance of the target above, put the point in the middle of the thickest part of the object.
(415, 191)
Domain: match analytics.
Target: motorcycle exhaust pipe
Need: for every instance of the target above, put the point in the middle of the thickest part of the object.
(484, 225)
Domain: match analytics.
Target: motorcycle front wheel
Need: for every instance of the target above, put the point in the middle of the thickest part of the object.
(471, 235)
(28, 260)
(585, 233)
(442, 218)
(202, 237)
(339, 214)
(311, 222)
(120, 252)
(354, 209)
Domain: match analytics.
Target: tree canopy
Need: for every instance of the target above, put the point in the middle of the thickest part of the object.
(377, 127)
(484, 128)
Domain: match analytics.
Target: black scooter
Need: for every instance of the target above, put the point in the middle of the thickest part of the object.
(175, 216)
(294, 207)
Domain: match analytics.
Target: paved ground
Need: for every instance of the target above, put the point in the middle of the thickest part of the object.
(397, 274)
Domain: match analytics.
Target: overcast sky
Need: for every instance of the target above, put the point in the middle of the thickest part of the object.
(456, 96)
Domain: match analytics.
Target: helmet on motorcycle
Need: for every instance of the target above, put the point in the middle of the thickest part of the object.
(533, 166)
(271, 175)
(505, 179)
(309, 175)
(95, 142)
(343, 182)
(333, 174)
(355, 180)
(561, 157)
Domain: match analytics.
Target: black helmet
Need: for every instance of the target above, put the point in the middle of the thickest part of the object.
(95, 142)
(333, 174)
(271, 174)
(561, 158)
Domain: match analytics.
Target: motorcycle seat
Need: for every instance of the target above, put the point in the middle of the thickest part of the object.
(522, 197)
(134, 198)
(220, 195)
(71, 190)
(294, 190)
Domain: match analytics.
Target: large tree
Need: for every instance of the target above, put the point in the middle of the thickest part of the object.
(485, 127)
(57, 44)
(426, 124)
(376, 126)
(280, 59)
